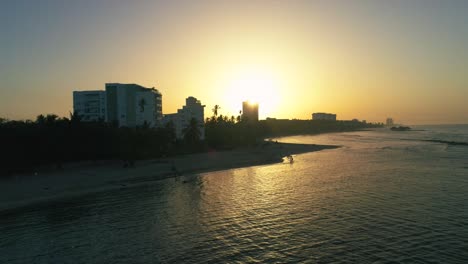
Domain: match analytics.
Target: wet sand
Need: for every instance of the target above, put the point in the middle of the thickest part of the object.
(80, 178)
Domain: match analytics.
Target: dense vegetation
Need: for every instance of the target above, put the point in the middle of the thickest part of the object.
(52, 141)
(277, 128)
(226, 133)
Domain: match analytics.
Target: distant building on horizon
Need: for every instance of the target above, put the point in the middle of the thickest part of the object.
(90, 106)
(276, 119)
(323, 116)
(193, 108)
(250, 111)
(127, 105)
(389, 122)
(131, 105)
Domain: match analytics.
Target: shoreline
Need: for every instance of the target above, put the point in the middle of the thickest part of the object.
(25, 190)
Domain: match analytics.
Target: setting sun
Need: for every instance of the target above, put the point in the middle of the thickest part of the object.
(254, 85)
(234, 131)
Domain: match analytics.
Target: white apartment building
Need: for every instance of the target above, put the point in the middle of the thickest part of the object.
(181, 120)
(131, 105)
(90, 106)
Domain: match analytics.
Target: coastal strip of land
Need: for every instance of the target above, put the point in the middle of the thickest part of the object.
(78, 179)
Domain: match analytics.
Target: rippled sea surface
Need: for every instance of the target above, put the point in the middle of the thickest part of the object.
(384, 197)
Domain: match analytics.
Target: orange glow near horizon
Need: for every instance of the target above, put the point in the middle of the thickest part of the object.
(293, 59)
(255, 85)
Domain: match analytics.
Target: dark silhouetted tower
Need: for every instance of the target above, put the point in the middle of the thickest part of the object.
(250, 111)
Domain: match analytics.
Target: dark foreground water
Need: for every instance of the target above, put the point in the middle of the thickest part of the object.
(384, 197)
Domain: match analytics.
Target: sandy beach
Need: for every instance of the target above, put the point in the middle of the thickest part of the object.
(82, 178)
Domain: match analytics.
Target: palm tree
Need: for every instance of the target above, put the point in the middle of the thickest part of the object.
(169, 132)
(220, 118)
(239, 116)
(40, 119)
(191, 132)
(216, 109)
(51, 119)
(75, 118)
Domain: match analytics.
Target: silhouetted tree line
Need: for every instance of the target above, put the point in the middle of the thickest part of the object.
(50, 140)
(277, 128)
(229, 132)
(223, 132)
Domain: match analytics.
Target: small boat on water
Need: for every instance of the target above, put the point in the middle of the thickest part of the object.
(400, 128)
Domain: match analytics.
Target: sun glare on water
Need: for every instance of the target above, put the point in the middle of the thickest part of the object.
(254, 86)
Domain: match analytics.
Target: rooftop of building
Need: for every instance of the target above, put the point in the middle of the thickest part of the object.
(321, 113)
(135, 85)
(89, 91)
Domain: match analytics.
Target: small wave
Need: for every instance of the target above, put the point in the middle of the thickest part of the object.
(453, 143)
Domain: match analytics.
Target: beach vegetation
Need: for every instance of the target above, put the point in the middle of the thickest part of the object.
(51, 140)
(192, 134)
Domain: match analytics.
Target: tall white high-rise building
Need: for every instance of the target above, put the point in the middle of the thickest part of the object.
(181, 120)
(131, 105)
(90, 106)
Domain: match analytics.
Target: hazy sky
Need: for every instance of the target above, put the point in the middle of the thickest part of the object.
(359, 59)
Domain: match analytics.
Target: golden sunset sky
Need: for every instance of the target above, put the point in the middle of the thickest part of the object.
(359, 59)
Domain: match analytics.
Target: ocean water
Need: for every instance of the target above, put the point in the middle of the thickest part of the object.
(383, 197)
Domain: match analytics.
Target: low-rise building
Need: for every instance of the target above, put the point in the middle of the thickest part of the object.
(323, 116)
(181, 120)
